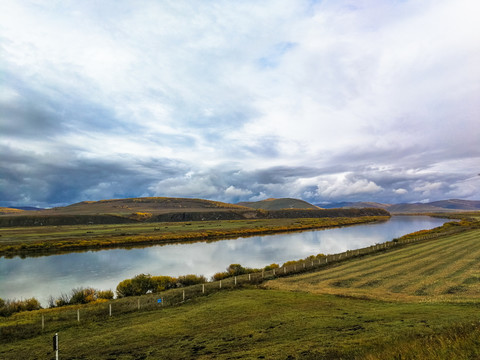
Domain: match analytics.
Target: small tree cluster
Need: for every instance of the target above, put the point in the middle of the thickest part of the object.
(237, 269)
(9, 307)
(81, 296)
(145, 283)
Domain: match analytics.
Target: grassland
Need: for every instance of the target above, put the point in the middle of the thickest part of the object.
(447, 269)
(416, 301)
(31, 240)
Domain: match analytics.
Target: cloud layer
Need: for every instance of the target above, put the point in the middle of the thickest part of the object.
(232, 101)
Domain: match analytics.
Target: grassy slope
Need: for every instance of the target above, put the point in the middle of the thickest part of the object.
(427, 320)
(248, 324)
(154, 205)
(444, 270)
(10, 211)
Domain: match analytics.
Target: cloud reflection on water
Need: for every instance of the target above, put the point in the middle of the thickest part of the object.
(52, 275)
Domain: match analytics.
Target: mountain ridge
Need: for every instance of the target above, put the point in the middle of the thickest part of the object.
(434, 206)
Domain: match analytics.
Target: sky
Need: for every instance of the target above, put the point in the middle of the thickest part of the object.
(326, 101)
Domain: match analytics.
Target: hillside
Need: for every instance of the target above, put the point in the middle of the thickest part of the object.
(8, 211)
(152, 205)
(436, 206)
(279, 204)
(135, 210)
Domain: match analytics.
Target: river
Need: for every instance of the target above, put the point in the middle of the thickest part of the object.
(43, 276)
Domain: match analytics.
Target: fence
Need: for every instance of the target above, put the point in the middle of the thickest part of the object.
(29, 324)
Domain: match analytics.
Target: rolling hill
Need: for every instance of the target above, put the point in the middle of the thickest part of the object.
(162, 209)
(152, 205)
(436, 206)
(7, 211)
(279, 204)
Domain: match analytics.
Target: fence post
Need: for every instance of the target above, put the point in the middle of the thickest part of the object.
(220, 286)
(183, 296)
(43, 322)
(110, 309)
(138, 304)
(78, 315)
(235, 279)
(203, 288)
(249, 277)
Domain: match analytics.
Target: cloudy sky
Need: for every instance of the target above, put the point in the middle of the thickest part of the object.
(326, 101)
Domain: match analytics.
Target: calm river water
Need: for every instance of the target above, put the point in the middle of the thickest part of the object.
(43, 276)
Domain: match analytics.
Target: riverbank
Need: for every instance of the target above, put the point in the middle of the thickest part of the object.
(430, 319)
(41, 240)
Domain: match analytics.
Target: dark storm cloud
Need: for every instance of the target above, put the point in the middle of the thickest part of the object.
(35, 179)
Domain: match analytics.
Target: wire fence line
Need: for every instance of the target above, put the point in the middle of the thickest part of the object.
(29, 324)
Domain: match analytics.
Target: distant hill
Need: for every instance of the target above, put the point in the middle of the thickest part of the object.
(457, 204)
(28, 208)
(156, 209)
(10, 211)
(152, 205)
(435, 206)
(279, 204)
(356, 205)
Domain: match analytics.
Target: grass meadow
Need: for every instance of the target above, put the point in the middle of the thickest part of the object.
(414, 301)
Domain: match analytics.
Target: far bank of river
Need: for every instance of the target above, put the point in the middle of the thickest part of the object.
(53, 275)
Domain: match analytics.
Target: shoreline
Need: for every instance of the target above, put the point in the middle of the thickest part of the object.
(111, 240)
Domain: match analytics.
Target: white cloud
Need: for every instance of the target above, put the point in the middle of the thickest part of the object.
(232, 191)
(345, 185)
(426, 188)
(339, 87)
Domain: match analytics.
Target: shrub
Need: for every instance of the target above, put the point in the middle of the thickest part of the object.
(63, 300)
(9, 307)
(236, 269)
(271, 267)
(220, 276)
(139, 285)
(187, 280)
(163, 283)
(105, 294)
(82, 296)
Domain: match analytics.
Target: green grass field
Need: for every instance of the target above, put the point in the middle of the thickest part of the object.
(447, 269)
(417, 301)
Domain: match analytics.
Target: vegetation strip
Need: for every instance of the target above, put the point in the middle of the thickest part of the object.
(56, 239)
